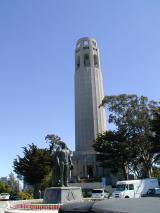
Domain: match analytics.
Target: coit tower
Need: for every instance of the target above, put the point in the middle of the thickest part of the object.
(89, 116)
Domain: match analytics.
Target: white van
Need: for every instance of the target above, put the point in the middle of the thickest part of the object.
(99, 194)
(134, 188)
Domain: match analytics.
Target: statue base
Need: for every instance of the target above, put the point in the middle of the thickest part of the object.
(54, 195)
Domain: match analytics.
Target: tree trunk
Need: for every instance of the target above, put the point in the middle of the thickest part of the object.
(125, 170)
(36, 188)
(146, 172)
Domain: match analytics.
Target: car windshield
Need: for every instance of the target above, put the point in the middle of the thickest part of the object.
(4, 194)
(97, 191)
(120, 187)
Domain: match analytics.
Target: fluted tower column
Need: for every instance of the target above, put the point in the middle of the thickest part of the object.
(89, 117)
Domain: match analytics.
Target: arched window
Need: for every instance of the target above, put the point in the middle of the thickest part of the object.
(96, 62)
(78, 45)
(85, 44)
(86, 60)
(94, 43)
(78, 61)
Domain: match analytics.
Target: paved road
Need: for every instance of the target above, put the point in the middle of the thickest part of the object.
(3, 205)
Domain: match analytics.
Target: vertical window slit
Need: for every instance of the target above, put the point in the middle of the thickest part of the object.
(86, 60)
(96, 62)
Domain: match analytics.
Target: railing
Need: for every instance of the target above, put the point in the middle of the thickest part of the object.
(31, 206)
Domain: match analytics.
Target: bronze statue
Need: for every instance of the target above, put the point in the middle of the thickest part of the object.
(56, 168)
(61, 165)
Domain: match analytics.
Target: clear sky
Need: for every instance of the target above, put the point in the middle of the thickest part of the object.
(37, 41)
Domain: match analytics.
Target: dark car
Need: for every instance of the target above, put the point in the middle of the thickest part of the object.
(15, 197)
(153, 193)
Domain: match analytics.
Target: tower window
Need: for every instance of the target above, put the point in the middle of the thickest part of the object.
(86, 60)
(94, 43)
(95, 49)
(96, 62)
(85, 44)
(78, 62)
(78, 45)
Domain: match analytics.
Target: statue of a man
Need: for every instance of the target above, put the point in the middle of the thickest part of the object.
(61, 165)
(56, 168)
(65, 164)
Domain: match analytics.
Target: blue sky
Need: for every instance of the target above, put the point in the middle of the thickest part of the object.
(37, 41)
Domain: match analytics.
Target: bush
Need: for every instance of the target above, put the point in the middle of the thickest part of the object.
(25, 195)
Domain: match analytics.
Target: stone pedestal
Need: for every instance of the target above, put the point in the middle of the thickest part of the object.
(62, 195)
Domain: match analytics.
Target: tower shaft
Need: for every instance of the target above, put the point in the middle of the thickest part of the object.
(89, 116)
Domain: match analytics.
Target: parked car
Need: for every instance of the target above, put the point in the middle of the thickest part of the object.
(14, 197)
(153, 193)
(99, 194)
(4, 196)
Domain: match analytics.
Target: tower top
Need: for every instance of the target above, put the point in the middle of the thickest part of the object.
(86, 41)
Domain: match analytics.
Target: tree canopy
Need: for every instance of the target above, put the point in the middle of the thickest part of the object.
(133, 118)
(53, 141)
(34, 166)
(113, 151)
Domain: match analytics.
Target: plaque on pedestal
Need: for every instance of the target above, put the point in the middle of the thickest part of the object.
(62, 195)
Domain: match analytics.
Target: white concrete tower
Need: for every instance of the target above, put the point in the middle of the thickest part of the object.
(89, 117)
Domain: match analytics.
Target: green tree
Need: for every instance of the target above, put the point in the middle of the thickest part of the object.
(156, 173)
(24, 195)
(155, 124)
(155, 128)
(53, 141)
(34, 166)
(13, 182)
(132, 117)
(113, 152)
(4, 187)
